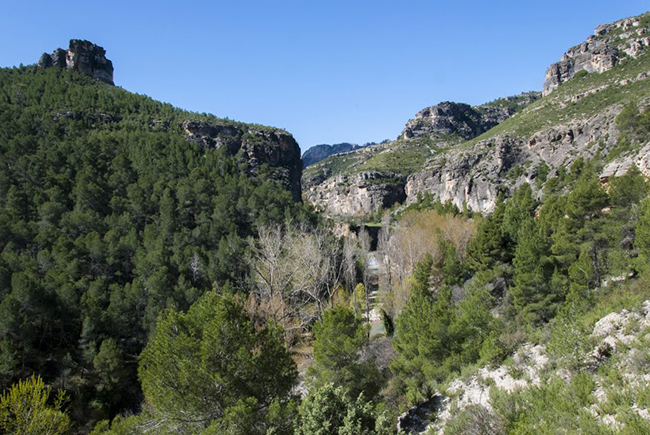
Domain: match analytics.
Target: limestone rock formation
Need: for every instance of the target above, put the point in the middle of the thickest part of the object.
(357, 195)
(600, 52)
(532, 140)
(461, 119)
(446, 118)
(259, 145)
(360, 192)
(473, 176)
(82, 56)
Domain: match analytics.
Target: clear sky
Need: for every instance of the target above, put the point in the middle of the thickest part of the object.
(328, 71)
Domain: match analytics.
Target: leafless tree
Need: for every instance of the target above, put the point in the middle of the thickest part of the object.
(295, 272)
(410, 240)
(195, 267)
(349, 262)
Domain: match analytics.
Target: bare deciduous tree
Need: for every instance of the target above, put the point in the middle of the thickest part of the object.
(295, 272)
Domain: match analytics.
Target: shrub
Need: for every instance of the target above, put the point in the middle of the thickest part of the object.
(27, 409)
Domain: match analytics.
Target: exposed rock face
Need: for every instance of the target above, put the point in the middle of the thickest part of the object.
(357, 195)
(600, 52)
(464, 120)
(320, 152)
(82, 56)
(473, 176)
(446, 118)
(273, 147)
(452, 178)
(555, 132)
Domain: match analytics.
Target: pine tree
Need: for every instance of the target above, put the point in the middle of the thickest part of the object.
(642, 239)
(25, 409)
(201, 364)
(423, 338)
(532, 296)
(489, 246)
(329, 410)
(338, 343)
(518, 209)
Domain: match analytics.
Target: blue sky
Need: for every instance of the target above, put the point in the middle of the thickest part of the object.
(327, 71)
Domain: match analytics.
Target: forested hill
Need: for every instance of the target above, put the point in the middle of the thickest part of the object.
(113, 207)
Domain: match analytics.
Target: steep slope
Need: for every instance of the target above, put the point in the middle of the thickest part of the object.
(113, 208)
(584, 93)
(606, 382)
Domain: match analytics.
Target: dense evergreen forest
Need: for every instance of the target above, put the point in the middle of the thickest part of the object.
(108, 216)
(151, 285)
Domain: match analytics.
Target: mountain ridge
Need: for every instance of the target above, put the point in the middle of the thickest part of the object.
(576, 117)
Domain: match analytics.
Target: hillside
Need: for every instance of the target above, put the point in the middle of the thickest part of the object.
(458, 159)
(113, 208)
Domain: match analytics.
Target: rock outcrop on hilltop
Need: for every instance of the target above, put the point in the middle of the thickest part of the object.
(600, 52)
(259, 145)
(464, 120)
(82, 56)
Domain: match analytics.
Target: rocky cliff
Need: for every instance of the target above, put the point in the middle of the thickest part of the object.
(360, 182)
(259, 145)
(473, 176)
(466, 154)
(82, 56)
(601, 51)
(359, 194)
(464, 120)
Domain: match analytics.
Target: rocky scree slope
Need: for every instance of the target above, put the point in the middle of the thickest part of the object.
(576, 118)
(618, 342)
